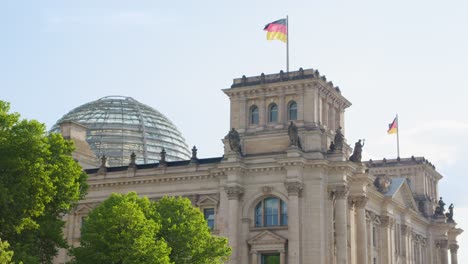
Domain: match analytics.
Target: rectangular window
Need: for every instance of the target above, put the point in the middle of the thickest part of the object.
(374, 236)
(271, 258)
(209, 217)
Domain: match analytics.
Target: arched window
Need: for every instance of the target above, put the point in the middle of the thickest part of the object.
(273, 113)
(253, 115)
(271, 211)
(292, 110)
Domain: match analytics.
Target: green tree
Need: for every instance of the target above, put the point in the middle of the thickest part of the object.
(122, 230)
(39, 182)
(186, 232)
(128, 229)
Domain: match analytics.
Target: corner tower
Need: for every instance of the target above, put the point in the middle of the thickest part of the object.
(263, 106)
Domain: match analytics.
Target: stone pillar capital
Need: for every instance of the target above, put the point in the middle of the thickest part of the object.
(339, 192)
(234, 192)
(442, 243)
(294, 188)
(453, 248)
(359, 201)
(405, 230)
(387, 221)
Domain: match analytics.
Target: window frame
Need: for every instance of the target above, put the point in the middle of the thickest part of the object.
(211, 227)
(290, 109)
(261, 218)
(270, 113)
(254, 115)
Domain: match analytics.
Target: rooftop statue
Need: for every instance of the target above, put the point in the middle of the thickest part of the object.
(339, 139)
(449, 215)
(293, 135)
(357, 153)
(234, 141)
(439, 211)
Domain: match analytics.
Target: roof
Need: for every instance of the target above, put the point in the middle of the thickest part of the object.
(156, 165)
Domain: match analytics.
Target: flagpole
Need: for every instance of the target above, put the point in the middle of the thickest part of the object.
(287, 44)
(398, 136)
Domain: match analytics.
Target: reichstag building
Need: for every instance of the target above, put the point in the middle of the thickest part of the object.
(286, 188)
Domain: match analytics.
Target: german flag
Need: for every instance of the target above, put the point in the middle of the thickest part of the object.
(277, 30)
(393, 127)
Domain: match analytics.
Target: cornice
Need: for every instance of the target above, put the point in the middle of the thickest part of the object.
(135, 181)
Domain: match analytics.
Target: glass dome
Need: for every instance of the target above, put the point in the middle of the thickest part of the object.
(118, 126)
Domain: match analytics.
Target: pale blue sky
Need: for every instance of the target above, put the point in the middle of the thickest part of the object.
(405, 57)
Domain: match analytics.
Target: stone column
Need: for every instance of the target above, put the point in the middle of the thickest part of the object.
(386, 249)
(282, 257)
(241, 126)
(319, 109)
(453, 253)
(443, 250)
(341, 224)
(262, 112)
(325, 119)
(370, 248)
(233, 194)
(281, 110)
(244, 248)
(294, 253)
(405, 230)
(361, 230)
(254, 256)
(332, 118)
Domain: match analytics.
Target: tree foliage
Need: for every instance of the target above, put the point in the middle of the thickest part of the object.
(128, 229)
(39, 182)
(5, 254)
(186, 232)
(122, 230)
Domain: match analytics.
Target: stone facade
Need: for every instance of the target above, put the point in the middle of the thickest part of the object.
(301, 203)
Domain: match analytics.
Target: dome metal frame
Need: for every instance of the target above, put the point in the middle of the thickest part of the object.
(120, 125)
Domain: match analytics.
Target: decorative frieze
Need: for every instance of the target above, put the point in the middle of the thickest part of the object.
(133, 181)
(234, 192)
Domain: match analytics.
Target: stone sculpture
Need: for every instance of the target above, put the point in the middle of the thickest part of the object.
(357, 153)
(293, 135)
(234, 141)
(339, 139)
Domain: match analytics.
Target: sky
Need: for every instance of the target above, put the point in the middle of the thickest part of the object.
(388, 57)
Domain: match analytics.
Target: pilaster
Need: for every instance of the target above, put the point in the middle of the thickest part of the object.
(453, 253)
(294, 189)
(361, 230)
(386, 223)
(234, 193)
(341, 223)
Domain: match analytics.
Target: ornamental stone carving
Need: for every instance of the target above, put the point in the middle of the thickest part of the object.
(382, 183)
(359, 201)
(339, 192)
(387, 221)
(293, 188)
(442, 243)
(103, 168)
(234, 192)
(405, 230)
(453, 248)
(234, 141)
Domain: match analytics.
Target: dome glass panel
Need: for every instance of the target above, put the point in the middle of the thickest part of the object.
(118, 126)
